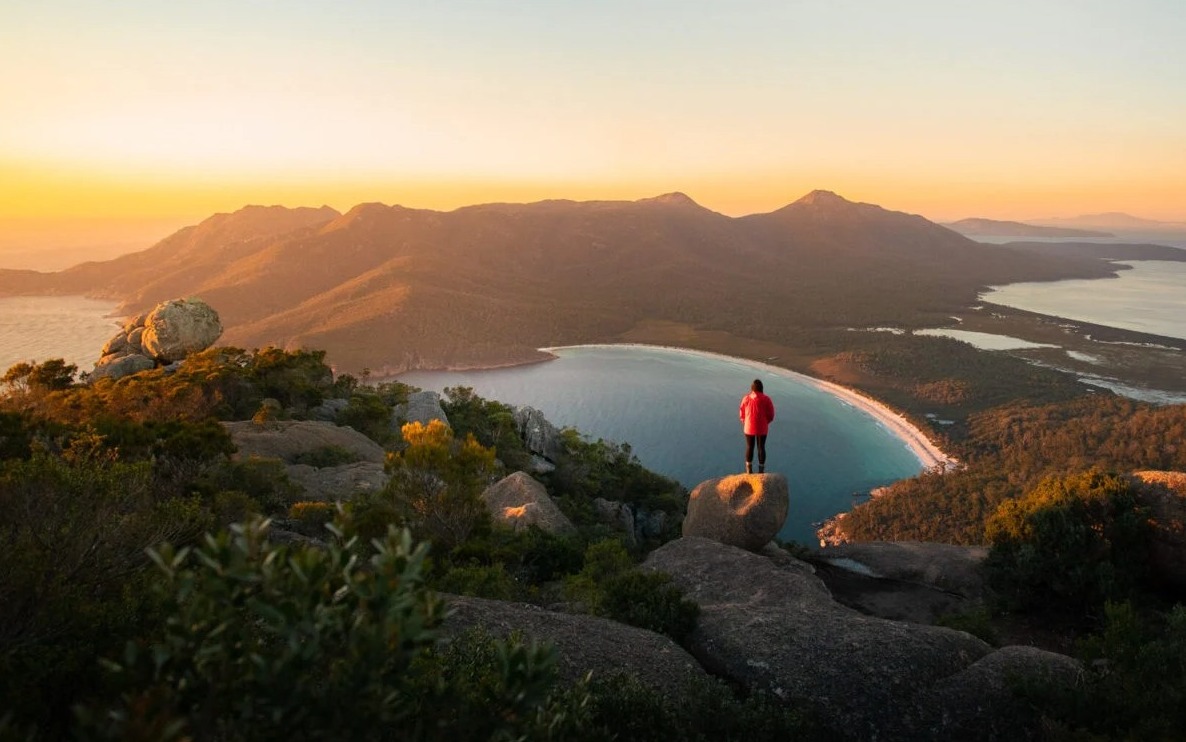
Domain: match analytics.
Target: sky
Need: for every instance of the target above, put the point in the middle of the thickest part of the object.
(143, 112)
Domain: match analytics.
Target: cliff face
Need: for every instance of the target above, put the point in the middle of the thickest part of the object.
(394, 288)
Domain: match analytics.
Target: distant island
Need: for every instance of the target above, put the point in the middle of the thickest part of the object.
(976, 227)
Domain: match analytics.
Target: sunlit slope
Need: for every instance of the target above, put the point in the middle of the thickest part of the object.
(388, 287)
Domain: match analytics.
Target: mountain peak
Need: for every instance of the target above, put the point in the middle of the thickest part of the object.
(675, 198)
(821, 198)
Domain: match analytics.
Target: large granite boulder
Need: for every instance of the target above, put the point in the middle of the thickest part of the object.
(771, 625)
(338, 482)
(981, 702)
(421, 407)
(519, 501)
(541, 437)
(1164, 494)
(288, 439)
(176, 328)
(116, 366)
(636, 523)
(947, 567)
(584, 643)
(744, 510)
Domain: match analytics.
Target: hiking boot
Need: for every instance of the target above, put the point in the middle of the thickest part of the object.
(761, 468)
(749, 468)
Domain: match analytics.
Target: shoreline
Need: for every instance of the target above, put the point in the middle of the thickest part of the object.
(924, 449)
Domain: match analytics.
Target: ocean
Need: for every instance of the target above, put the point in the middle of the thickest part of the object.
(678, 412)
(38, 328)
(1150, 297)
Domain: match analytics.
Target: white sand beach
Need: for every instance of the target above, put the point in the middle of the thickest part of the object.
(928, 454)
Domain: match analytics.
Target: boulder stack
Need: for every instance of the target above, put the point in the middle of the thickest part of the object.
(168, 333)
(743, 510)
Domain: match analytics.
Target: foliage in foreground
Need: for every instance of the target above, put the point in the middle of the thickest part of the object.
(1135, 682)
(1072, 542)
(264, 642)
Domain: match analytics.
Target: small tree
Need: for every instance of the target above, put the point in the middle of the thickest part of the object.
(1073, 541)
(435, 487)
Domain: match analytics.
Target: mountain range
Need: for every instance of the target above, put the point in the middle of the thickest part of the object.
(977, 227)
(391, 288)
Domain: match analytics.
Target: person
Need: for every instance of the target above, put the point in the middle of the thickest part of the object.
(757, 412)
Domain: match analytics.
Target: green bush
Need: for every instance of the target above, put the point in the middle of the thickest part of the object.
(491, 423)
(263, 480)
(72, 583)
(1071, 542)
(1135, 682)
(369, 414)
(311, 518)
(325, 456)
(435, 487)
(621, 707)
(649, 600)
(609, 585)
(480, 581)
(266, 642)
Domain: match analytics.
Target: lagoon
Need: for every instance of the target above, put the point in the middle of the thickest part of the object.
(678, 411)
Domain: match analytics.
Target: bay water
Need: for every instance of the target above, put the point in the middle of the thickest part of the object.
(678, 412)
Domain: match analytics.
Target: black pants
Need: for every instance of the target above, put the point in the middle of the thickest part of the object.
(749, 449)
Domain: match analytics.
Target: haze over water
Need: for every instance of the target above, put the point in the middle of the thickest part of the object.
(678, 411)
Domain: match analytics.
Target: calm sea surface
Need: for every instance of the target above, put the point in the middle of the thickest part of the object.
(679, 413)
(1151, 297)
(38, 328)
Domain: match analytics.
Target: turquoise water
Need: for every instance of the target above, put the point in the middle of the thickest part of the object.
(679, 413)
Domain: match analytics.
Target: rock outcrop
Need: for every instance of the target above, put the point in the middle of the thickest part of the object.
(421, 407)
(979, 702)
(338, 482)
(288, 440)
(167, 334)
(744, 510)
(904, 581)
(541, 437)
(174, 329)
(948, 567)
(771, 625)
(1164, 494)
(637, 524)
(519, 501)
(584, 643)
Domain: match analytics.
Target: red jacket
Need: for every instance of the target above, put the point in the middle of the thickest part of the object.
(757, 412)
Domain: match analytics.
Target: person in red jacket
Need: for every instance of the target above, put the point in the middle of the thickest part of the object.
(757, 412)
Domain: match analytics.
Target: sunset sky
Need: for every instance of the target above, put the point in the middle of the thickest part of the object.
(154, 111)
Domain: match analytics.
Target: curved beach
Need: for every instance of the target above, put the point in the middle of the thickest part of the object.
(923, 448)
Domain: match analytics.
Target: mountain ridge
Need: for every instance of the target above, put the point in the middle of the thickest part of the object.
(390, 287)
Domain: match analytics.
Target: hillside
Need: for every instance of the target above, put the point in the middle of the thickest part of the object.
(995, 228)
(391, 288)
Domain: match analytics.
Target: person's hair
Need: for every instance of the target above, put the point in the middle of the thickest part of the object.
(756, 386)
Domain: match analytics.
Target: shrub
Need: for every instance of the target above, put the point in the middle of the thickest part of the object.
(72, 583)
(264, 642)
(312, 517)
(435, 487)
(609, 585)
(369, 414)
(480, 581)
(325, 456)
(1135, 682)
(264, 480)
(649, 600)
(1072, 541)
